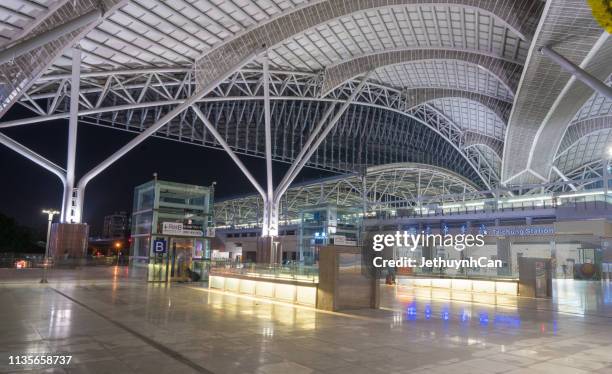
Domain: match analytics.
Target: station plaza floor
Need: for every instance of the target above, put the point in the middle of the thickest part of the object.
(112, 321)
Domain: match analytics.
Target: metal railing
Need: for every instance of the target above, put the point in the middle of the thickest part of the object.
(299, 273)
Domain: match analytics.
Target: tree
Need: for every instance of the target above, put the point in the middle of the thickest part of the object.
(17, 238)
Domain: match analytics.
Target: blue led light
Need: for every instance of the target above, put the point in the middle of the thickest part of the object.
(484, 319)
(444, 315)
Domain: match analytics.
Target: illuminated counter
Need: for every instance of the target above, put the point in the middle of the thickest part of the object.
(493, 286)
(337, 283)
(295, 291)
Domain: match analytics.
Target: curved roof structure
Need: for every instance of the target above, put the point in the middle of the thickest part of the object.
(457, 84)
(548, 97)
(379, 187)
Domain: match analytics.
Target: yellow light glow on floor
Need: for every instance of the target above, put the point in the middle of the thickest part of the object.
(467, 285)
(299, 294)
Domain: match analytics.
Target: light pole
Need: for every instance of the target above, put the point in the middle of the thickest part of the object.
(117, 249)
(50, 213)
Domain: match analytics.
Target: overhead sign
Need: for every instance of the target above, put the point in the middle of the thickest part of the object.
(339, 239)
(177, 228)
(159, 246)
(523, 231)
(342, 240)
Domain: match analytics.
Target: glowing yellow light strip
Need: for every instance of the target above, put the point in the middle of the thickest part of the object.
(283, 303)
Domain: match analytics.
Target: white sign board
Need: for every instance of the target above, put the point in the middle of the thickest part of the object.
(218, 255)
(177, 228)
(342, 240)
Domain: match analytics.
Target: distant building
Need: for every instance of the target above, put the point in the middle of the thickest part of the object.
(116, 225)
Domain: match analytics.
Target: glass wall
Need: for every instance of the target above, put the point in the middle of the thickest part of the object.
(573, 257)
(327, 224)
(171, 228)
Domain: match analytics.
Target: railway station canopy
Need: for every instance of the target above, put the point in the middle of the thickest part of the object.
(484, 89)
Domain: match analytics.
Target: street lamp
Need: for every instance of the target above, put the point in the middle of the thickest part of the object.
(50, 213)
(117, 249)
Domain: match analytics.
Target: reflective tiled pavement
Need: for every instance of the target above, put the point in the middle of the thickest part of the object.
(123, 325)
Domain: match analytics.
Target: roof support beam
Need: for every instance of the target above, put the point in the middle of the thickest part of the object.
(299, 163)
(508, 73)
(472, 138)
(580, 129)
(518, 15)
(562, 176)
(153, 129)
(39, 40)
(578, 72)
(548, 96)
(211, 128)
(34, 157)
(418, 96)
(31, 58)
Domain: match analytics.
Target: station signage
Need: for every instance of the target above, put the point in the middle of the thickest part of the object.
(160, 246)
(177, 228)
(523, 231)
(342, 240)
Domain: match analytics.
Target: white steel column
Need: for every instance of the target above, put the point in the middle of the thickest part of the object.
(71, 212)
(605, 174)
(270, 222)
(364, 192)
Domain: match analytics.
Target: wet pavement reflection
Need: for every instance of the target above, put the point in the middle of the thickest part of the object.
(114, 322)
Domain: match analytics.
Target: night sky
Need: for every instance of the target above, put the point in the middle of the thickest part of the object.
(26, 188)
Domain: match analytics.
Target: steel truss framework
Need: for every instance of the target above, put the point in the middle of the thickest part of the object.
(382, 127)
(392, 187)
(549, 96)
(383, 124)
(380, 187)
(581, 129)
(589, 176)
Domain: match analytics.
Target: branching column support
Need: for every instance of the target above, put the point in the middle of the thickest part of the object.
(271, 197)
(211, 128)
(202, 91)
(34, 157)
(71, 211)
(315, 139)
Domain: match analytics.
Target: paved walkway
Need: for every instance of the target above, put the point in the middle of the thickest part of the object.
(117, 323)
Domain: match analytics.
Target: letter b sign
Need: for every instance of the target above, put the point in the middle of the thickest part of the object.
(159, 246)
